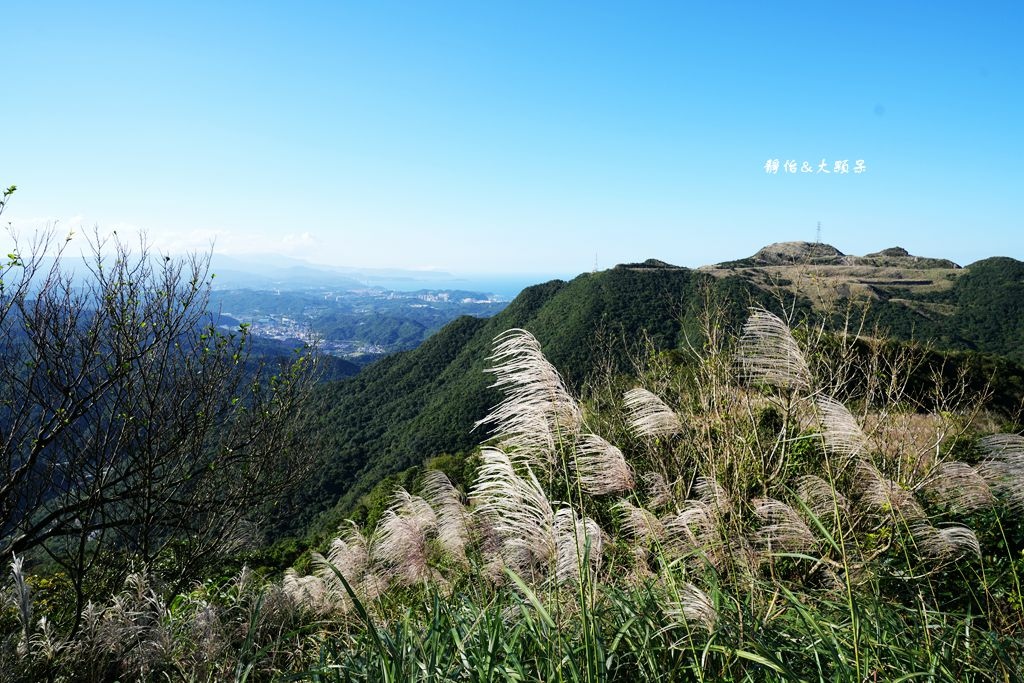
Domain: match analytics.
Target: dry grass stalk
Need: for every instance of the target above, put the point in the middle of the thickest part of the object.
(399, 545)
(769, 354)
(23, 601)
(537, 412)
(782, 527)
(649, 416)
(713, 494)
(348, 555)
(694, 608)
(842, 434)
(576, 539)
(886, 497)
(959, 486)
(600, 467)
(517, 509)
(639, 524)
(309, 592)
(1003, 467)
(693, 531)
(659, 493)
(821, 498)
(946, 543)
(452, 516)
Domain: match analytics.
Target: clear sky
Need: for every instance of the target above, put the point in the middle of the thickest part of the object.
(518, 137)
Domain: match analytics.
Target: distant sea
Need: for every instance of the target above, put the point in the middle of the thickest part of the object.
(505, 286)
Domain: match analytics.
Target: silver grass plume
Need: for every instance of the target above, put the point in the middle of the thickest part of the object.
(842, 434)
(517, 509)
(23, 601)
(885, 496)
(348, 555)
(821, 498)
(946, 543)
(658, 491)
(782, 527)
(1003, 467)
(694, 531)
(576, 538)
(537, 412)
(648, 416)
(959, 486)
(768, 353)
(452, 517)
(639, 524)
(144, 629)
(309, 592)
(399, 544)
(712, 494)
(694, 608)
(600, 467)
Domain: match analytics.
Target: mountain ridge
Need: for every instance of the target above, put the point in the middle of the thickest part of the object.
(421, 403)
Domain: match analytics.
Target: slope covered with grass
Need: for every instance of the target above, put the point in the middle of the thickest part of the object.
(779, 508)
(414, 405)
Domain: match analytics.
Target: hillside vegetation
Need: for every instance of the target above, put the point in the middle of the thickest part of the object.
(678, 474)
(782, 511)
(978, 307)
(415, 405)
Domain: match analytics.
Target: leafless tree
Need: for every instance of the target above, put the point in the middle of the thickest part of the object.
(130, 422)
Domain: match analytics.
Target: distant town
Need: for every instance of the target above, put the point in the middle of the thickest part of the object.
(358, 323)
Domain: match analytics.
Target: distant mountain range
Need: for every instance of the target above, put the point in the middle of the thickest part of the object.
(269, 272)
(413, 405)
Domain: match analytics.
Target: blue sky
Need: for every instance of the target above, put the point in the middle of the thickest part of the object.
(517, 137)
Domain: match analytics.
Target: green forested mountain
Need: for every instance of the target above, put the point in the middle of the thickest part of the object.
(413, 405)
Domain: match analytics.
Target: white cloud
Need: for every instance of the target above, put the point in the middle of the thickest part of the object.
(164, 241)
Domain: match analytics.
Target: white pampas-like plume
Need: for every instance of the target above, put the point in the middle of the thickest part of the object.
(886, 496)
(349, 554)
(600, 467)
(782, 528)
(694, 529)
(639, 524)
(960, 486)
(517, 510)
(399, 544)
(768, 353)
(821, 498)
(23, 598)
(537, 411)
(576, 538)
(452, 517)
(658, 491)
(694, 608)
(307, 591)
(649, 416)
(948, 542)
(841, 432)
(1003, 467)
(712, 494)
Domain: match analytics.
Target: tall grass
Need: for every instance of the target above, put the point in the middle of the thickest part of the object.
(763, 522)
